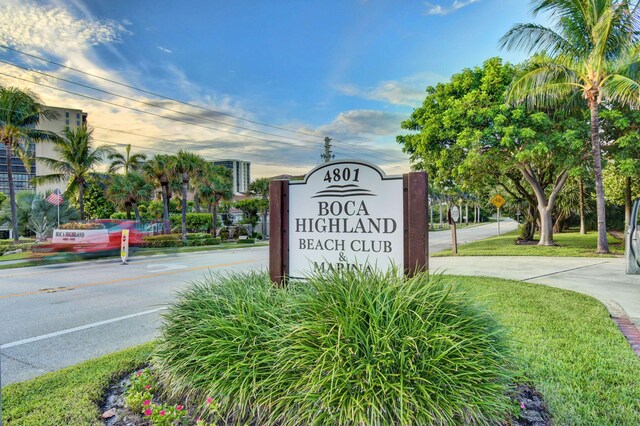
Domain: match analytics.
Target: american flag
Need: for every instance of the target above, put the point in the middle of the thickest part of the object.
(55, 198)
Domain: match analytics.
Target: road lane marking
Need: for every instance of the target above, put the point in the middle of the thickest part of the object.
(74, 329)
(135, 278)
(163, 267)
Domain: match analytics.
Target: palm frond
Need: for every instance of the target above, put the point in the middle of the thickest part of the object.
(534, 38)
(620, 88)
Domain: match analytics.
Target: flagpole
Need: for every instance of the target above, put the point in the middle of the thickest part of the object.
(58, 204)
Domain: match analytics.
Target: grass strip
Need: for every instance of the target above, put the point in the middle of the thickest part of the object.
(568, 347)
(70, 396)
(569, 244)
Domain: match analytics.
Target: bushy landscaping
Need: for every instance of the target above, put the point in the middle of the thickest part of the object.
(568, 244)
(175, 240)
(350, 349)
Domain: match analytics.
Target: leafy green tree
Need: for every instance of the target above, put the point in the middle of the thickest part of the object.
(158, 170)
(260, 187)
(621, 130)
(20, 112)
(250, 208)
(216, 186)
(127, 161)
(590, 53)
(185, 165)
(468, 138)
(76, 162)
(96, 204)
(129, 190)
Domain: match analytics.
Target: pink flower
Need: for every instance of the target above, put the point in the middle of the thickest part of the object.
(138, 373)
(179, 407)
(209, 401)
(146, 402)
(147, 387)
(522, 405)
(148, 412)
(162, 412)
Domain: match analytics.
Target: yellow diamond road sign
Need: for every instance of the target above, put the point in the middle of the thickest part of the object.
(498, 201)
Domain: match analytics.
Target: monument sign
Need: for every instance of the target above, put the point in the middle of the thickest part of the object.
(348, 215)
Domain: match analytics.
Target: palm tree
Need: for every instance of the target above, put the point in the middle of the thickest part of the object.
(20, 112)
(216, 185)
(77, 161)
(128, 190)
(185, 165)
(591, 54)
(128, 162)
(158, 170)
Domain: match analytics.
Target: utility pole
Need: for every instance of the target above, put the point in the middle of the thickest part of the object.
(327, 156)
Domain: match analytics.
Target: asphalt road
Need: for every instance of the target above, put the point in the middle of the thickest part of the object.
(58, 315)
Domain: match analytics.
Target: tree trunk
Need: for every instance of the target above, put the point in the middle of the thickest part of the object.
(215, 219)
(627, 204)
(265, 228)
(185, 188)
(603, 244)
(81, 198)
(136, 211)
(12, 196)
(545, 205)
(546, 226)
(165, 206)
(196, 203)
(127, 208)
(583, 225)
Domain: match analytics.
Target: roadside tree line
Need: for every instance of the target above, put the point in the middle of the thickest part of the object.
(538, 131)
(131, 181)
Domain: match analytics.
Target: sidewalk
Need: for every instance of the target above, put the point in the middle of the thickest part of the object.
(601, 278)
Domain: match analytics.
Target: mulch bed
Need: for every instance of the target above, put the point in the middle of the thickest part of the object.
(533, 411)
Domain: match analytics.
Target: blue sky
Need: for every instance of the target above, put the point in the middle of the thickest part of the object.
(351, 70)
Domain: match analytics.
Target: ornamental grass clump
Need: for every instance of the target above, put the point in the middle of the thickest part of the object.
(337, 349)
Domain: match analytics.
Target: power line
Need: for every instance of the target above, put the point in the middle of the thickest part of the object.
(373, 153)
(154, 114)
(156, 94)
(199, 117)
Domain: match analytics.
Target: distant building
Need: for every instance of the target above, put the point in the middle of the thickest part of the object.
(67, 119)
(241, 172)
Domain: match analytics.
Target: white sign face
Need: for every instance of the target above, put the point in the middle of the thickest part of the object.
(345, 215)
(455, 213)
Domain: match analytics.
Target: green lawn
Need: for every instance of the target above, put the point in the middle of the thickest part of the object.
(564, 343)
(70, 396)
(569, 244)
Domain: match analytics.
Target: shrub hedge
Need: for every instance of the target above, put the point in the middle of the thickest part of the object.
(196, 222)
(339, 349)
(175, 240)
(10, 247)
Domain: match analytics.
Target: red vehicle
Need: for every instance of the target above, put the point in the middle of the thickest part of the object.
(97, 236)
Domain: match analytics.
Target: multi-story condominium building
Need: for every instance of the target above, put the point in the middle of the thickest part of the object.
(241, 172)
(68, 118)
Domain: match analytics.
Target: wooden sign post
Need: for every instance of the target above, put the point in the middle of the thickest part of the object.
(348, 215)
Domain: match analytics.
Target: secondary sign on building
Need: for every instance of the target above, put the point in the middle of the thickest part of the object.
(348, 215)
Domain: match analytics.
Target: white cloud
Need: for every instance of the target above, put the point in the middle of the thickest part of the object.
(28, 26)
(68, 34)
(407, 91)
(436, 9)
(164, 49)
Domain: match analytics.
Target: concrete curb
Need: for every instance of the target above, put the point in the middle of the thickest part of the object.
(624, 323)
